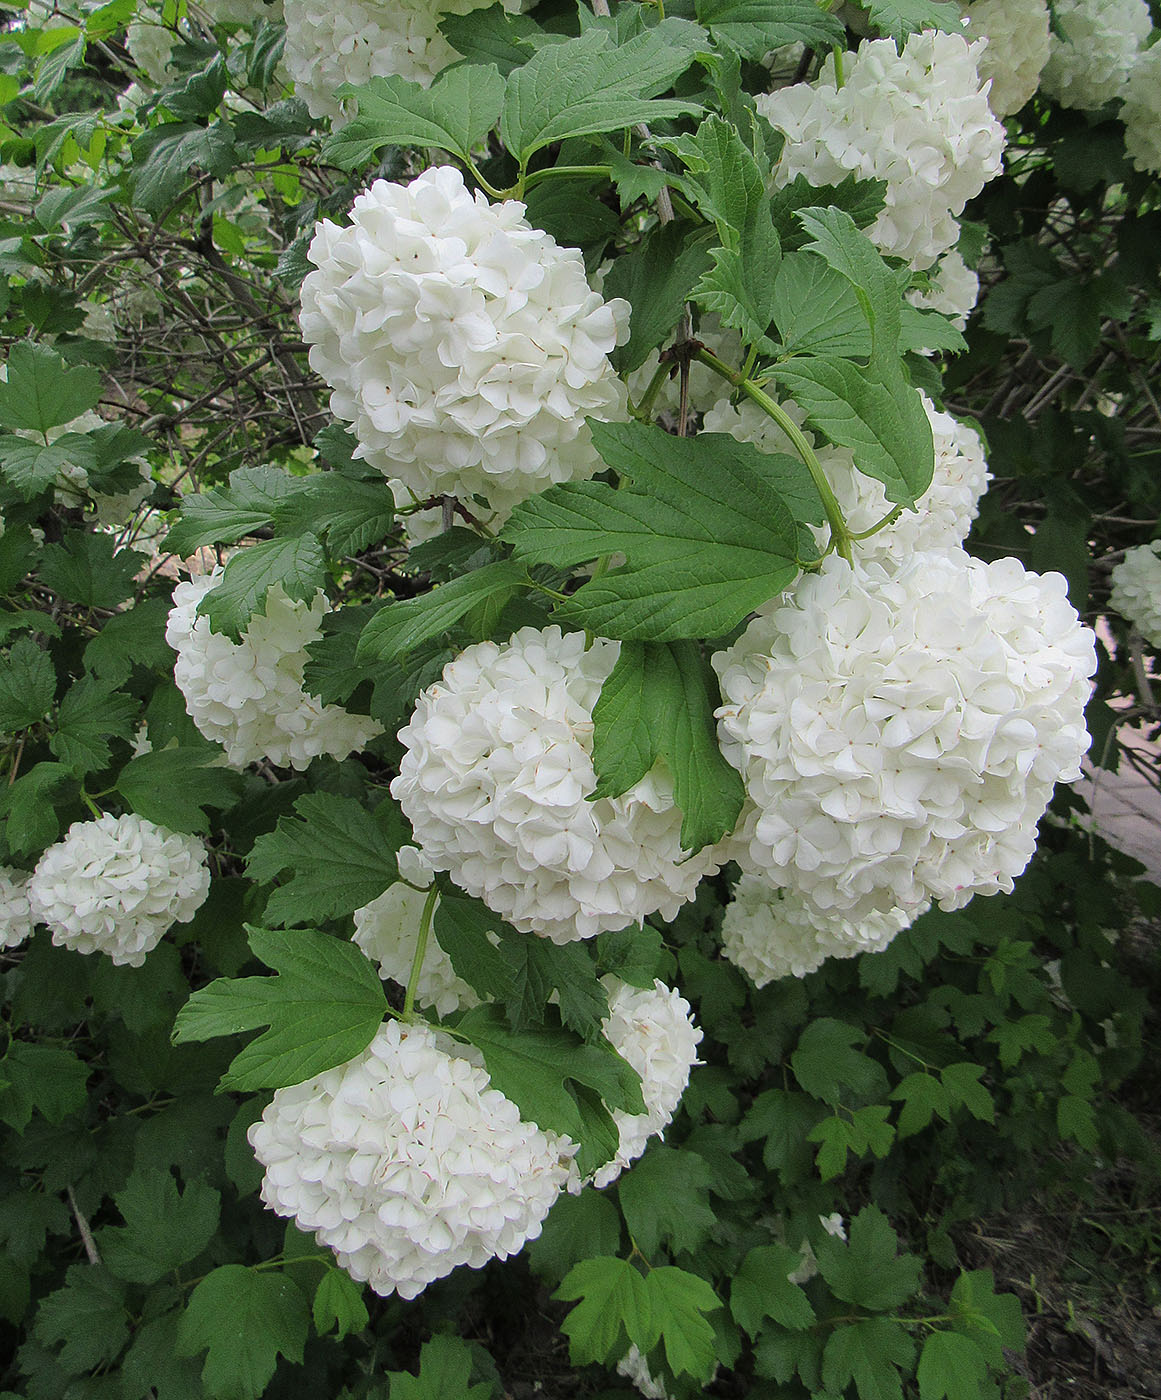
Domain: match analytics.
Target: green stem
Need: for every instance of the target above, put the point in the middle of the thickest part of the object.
(645, 406)
(840, 535)
(90, 804)
(889, 519)
(539, 176)
(484, 184)
(420, 950)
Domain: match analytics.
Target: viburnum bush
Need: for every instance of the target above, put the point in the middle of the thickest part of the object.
(531, 583)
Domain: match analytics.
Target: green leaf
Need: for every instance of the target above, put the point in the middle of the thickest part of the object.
(739, 287)
(1076, 1120)
(91, 715)
(85, 569)
(338, 1303)
(30, 467)
(706, 534)
(613, 1298)
(27, 686)
(754, 27)
(400, 628)
(353, 515)
(963, 1087)
(445, 1367)
(632, 954)
(87, 1316)
(464, 929)
(42, 392)
(197, 94)
(867, 1270)
(658, 703)
(174, 786)
(494, 36)
(454, 114)
(46, 1078)
(1015, 1038)
(993, 1320)
(589, 85)
(32, 823)
(951, 1366)
(869, 1353)
(163, 1229)
(244, 1320)
(665, 1197)
(899, 18)
(762, 1289)
(340, 855)
(52, 68)
(863, 200)
(536, 967)
(656, 278)
(152, 1368)
(577, 1228)
(226, 513)
(678, 1302)
(923, 1096)
(544, 1069)
(297, 563)
(826, 1062)
(817, 311)
(135, 637)
(165, 158)
(322, 1009)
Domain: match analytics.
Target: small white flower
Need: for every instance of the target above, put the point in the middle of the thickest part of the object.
(1095, 50)
(248, 695)
(16, 919)
(496, 780)
(900, 728)
(116, 884)
(634, 1367)
(653, 1030)
(1017, 32)
(955, 289)
(464, 346)
(407, 1163)
(1136, 590)
(918, 119)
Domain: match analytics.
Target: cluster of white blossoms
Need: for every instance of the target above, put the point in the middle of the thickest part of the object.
(116, 884)
(1141, 111)
(654, 1031)
(1017, 32)
(955, 289)
(946, 510)
(900, 728)
(464, 346)
(1136, 590)
(248, 695)
(16, 920)
(1094, 50)
(635, 1368)
(407, 1163)
(151, 42)
(352, 41)
(496, 779)
(772, 933)
(918, 119)
(387, 929)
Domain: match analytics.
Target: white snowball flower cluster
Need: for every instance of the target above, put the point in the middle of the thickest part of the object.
(945, 511)
(407, 1163)
(1017, 32)
(463, 345)
(1141, 112)
(248, 695)
(116, 884)
(495, 781)
(387, 930)
(654, 1031)
(352, 41)
(918, 119)
(1090, 65)
(16, 920)
(900, 729)
(772, 933)
(955, 289)
(1136, 590)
